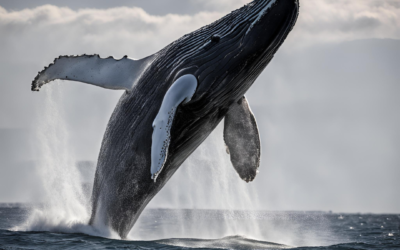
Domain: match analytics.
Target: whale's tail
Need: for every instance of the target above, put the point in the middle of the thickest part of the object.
(106, 73)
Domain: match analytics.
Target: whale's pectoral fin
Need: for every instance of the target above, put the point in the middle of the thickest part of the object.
(242, 140)
(107, 73)
(180, 92)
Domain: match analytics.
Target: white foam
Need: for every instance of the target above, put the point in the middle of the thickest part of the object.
(63, 206)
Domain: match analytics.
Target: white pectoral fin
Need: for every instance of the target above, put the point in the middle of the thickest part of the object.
(181, 91)
(107, 73)
(242, 140)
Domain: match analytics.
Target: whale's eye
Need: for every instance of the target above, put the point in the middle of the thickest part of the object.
(215, 38)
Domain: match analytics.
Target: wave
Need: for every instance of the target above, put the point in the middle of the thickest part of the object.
(39, 222)
(36, 240)
(229, 242)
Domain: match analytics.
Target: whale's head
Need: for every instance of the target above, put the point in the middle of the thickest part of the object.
(229, 54)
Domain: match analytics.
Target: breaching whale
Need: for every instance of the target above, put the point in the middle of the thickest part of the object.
(173, 100)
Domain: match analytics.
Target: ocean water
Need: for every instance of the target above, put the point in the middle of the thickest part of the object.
(188, 229)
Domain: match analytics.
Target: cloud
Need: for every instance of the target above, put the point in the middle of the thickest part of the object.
(222, 5)
(323, 21)
(137, 33)
(119, 29)
(344, 20)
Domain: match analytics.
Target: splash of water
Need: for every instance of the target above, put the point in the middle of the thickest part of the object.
(64, 206)
(206, 180)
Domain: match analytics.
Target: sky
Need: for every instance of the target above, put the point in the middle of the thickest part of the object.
(327, 105)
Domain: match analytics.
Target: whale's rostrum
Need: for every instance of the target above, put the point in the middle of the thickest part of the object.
(200, 78)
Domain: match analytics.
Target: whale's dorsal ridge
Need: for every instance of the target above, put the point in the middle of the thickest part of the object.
(108, 73)
(242, 139)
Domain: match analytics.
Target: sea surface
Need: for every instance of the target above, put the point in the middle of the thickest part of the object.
(211, 229)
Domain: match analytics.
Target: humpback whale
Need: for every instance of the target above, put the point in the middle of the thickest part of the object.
(173, 100)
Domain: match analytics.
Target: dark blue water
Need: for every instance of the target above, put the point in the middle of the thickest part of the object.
(189, 229)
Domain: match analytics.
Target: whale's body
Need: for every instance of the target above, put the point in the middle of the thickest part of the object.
(225, 58)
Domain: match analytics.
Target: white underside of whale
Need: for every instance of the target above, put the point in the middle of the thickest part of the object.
(181, 92)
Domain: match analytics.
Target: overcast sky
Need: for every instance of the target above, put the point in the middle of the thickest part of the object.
(327, 105)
